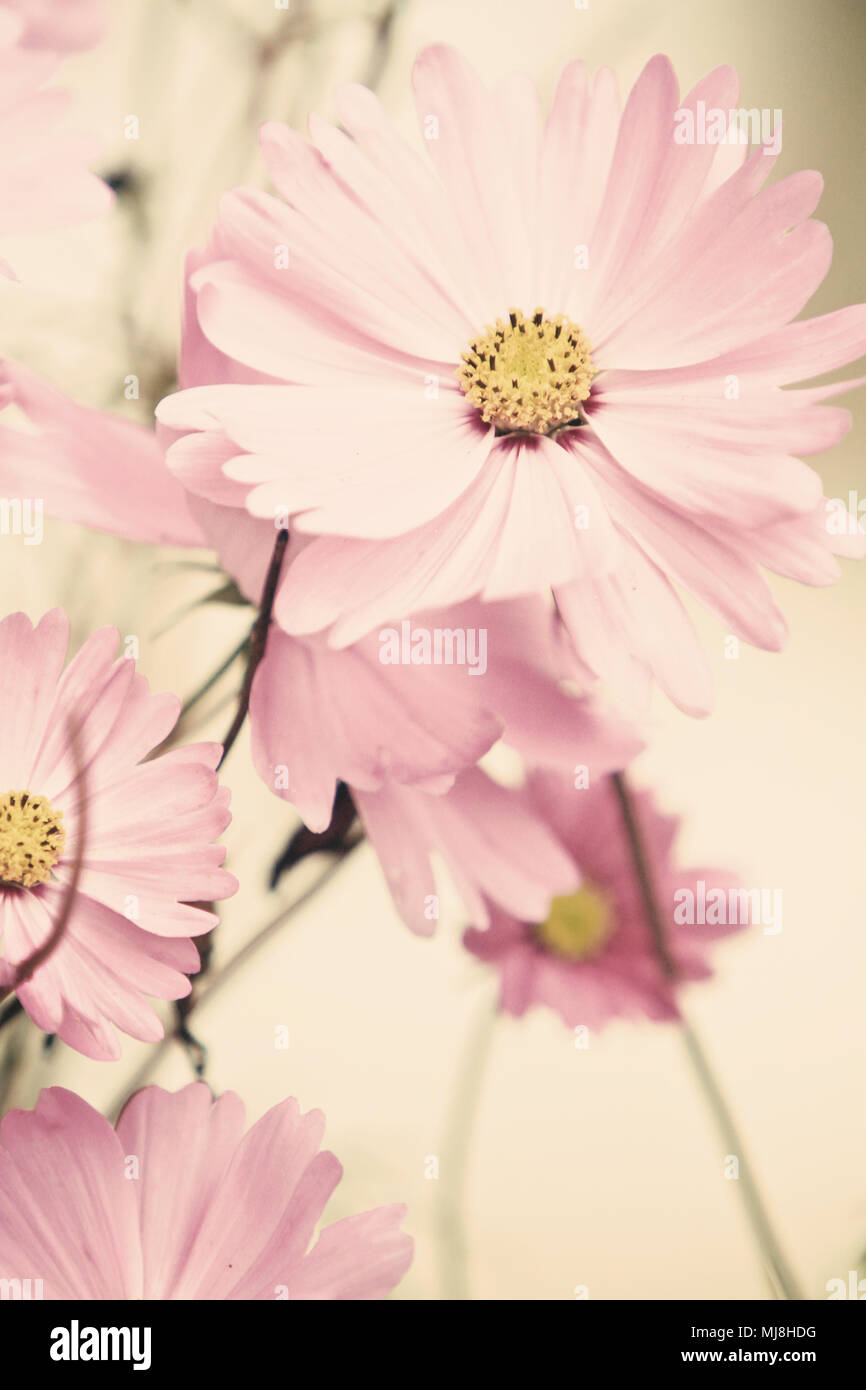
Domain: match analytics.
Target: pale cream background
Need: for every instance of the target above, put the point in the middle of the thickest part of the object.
(594, 1168)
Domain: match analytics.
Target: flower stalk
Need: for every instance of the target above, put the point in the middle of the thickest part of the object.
(776, 1264)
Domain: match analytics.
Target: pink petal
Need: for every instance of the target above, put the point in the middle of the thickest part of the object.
(68, 1211)
(246, 1207)
(472, 156)
(579, 140)
(386, 462)
(90, 467)
(493, 844)
(352, 718)
(31, 660)
(173, 1198)
(359, 1258)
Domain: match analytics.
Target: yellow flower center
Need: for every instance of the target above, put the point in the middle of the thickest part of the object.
(528, 374)
(31, 839)
(577, 926)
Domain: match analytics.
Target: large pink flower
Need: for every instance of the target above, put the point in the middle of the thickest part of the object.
(178, 1203)
(77, 738)
(590, 957)
(552, 359)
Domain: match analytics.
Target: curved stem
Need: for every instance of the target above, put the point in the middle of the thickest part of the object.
(208, 685)
(778, 1270)
(258, 641)
(772, 1255)
(456, 1154)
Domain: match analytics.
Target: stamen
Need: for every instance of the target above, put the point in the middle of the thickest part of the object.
(578, 926)
(32, 838)
(528, 382)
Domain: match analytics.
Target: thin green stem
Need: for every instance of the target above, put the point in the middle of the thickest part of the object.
(455, 1156)
(779, 1272)
(775, 1263)
(208, 685)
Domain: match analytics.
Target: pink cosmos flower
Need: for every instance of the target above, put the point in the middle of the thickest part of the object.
(547, 353)
(44, 178)
(113, 1214)
(58, 25)
(590, 957)
(80, 737)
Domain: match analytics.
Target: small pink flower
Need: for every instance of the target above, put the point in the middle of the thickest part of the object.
(590, 956)
(82, 736)
(178, 1203)
(547, 355)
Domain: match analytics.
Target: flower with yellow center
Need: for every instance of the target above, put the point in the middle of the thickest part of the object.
(528, 375)
(31, 839)
(578, 926)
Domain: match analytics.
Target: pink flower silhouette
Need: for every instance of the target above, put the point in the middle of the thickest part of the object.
(177, 1203)
(78, 739)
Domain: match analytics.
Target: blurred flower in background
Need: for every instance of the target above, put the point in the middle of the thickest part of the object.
(592, 957)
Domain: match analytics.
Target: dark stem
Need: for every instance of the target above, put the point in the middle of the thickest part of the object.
(305, 842)
(644, 875)
(258, 641)
(772, 1254)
